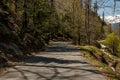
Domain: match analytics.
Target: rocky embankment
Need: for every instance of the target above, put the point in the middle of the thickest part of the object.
(103, 54)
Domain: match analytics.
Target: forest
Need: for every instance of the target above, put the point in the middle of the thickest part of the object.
(28, 26)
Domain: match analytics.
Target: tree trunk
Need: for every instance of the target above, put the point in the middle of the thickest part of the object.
(25, 20)
(16, 6)
(87, 25)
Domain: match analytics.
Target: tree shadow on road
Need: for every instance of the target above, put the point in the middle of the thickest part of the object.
(56, 72)
(36, 59)
(68, 73)
(62, 49)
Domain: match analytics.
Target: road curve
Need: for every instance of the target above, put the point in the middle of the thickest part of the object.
(61, 61)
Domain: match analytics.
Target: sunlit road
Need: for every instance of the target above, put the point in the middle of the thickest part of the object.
(61, 61)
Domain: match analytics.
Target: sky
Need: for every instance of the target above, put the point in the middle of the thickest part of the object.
(107, 6)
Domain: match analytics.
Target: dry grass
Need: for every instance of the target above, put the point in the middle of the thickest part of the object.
(93, 55)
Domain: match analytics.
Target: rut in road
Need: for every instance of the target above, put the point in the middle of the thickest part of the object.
(61, 61)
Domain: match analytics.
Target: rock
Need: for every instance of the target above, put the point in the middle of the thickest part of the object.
(103, 46)
(11, 48)
(97, 44)
(16, 49)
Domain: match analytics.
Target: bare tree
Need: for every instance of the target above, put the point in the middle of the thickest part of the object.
(87, 25)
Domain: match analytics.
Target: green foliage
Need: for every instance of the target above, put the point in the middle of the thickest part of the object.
(118, 50)
(113, 42)
(107, 29)
(119, 47)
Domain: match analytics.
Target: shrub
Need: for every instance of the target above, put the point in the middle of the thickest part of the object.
(118, 50)
(112, 41)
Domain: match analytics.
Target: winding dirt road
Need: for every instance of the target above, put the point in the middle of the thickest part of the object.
(61, 61)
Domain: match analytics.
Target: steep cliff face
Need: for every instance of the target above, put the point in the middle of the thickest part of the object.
(11, 43)
(8, 22)
(8, 33)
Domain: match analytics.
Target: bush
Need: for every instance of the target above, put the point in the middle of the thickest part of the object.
(113, 42)
(118, 50)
